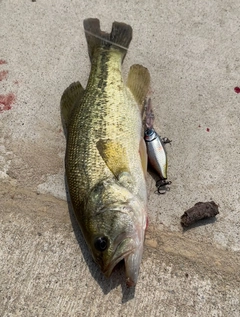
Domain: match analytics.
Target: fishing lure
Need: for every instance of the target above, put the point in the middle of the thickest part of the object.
(157, 155)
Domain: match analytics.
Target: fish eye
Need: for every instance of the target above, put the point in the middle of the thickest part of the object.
(101, 243)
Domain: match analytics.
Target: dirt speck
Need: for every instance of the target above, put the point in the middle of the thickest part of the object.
(152, 243)
(3, 74)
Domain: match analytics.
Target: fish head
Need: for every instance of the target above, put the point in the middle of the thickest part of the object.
(115, 230)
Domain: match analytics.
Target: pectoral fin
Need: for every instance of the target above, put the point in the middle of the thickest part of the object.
(143, 155)
(138, 82)
(114, 155)
(70, 97)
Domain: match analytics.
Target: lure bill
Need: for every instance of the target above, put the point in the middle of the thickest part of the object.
(199, 211)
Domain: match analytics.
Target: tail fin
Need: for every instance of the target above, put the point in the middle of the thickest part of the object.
(120, 36)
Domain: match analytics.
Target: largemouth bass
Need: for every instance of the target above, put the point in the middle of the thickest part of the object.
(106, 158)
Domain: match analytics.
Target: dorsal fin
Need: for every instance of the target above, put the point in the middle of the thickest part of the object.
(70, 96)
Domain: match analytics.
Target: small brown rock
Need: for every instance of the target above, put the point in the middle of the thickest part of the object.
(199, 211)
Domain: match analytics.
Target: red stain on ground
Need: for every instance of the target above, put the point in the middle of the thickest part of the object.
(2, 62)
(3, 74)
(6, 101)
(237, 90)
(208, 129)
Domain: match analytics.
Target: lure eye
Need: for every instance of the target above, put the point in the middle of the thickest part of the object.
(101, 243)
(148, 132)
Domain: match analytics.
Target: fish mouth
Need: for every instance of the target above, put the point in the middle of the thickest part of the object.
(132, 260)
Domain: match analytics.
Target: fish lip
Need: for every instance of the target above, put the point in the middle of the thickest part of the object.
(118, 241)
(132, 260)
(109, 268)
(132, 265)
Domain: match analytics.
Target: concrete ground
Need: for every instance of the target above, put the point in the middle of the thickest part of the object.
(192, 52)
